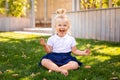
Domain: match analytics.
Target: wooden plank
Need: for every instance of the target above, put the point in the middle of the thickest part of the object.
(77, 20)
(70, 17)
(84, 22)
(105, 25)
(98, 24)
(90, 25)
(52, 21)
(112, 25)
(80, 24)
(108, 13)
(75, 25)
(87, 26)
(103, 19)
(117, 29)
(93, 24)
(72, 24)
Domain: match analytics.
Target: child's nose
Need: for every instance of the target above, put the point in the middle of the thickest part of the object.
(62, 26)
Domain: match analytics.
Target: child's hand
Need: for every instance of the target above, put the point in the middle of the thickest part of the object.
(87, 51)
(42, 42)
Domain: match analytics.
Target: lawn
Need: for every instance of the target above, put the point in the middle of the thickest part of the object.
(20, 54)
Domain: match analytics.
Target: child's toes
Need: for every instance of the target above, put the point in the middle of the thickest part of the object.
(64, 72)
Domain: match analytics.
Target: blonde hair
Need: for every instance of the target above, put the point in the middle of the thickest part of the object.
(61, 11)
(61, 14)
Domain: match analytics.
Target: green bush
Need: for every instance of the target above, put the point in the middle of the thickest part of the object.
(16, 8)
(94, 4)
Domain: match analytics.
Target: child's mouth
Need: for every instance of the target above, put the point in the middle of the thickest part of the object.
(62, 31)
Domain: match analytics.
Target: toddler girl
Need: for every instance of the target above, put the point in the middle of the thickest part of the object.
(60, 46)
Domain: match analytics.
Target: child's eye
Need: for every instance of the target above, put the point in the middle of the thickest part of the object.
(59, 25)
(64, 25)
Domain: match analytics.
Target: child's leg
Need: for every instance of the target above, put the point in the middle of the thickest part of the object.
(52, 66)
(70, 65)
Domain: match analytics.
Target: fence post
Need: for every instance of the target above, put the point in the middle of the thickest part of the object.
(77, 5)
(45, 12)
(32, 19)
(73, 5)
(7, 25)
(110, 3)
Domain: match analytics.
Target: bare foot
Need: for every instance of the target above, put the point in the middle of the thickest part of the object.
(64, 72)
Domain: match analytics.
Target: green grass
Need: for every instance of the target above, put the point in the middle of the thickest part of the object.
(20, 54)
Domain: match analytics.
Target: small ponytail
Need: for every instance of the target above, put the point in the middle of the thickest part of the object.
(61, 11)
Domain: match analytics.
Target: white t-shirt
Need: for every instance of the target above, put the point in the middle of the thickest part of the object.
(61, 44)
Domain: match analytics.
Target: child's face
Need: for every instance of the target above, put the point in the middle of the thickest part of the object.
(62, 26)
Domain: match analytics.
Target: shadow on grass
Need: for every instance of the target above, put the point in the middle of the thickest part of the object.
(21, 57)
(104, 66)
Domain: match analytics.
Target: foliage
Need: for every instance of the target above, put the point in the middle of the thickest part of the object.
(20, 54)
(116, 3)
(93, 4)
(105, 3)
(15, 8)
(2, 6)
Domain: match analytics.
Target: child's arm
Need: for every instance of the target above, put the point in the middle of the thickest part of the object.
(79, 52)
(46, 47)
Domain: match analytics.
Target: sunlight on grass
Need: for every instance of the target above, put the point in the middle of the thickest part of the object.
(102, 58)
(4, 39)
(9, 35)
(21, 53)
(92, 60)
(25, 78)
(104, 49)
(110, 51)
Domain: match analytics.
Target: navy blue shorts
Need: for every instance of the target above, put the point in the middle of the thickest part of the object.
(60, 58)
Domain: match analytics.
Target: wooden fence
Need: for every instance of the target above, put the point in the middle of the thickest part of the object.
(13, 23)
(99, 24)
